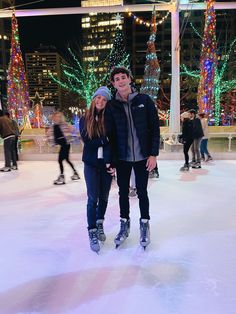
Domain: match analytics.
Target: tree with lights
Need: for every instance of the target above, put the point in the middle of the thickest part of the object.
(118, 56)
(17, 87)
(208, 62)
(150, 84)
(221, 86)
(79, 79)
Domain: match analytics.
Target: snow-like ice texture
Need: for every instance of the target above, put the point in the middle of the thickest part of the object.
(46, 265)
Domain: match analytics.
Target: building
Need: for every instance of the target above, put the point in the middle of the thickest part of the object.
(98, 31)
(40, 65)
(5, 45)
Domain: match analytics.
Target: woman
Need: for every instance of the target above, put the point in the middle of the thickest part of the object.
(203, 146)
(187, 137)
(97, 170)
(61, 134)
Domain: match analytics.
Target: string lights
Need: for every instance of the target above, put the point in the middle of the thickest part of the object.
(17, 86)
(141, 21)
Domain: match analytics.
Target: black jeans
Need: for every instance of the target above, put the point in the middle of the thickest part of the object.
(141, 179)
(98, 182)
(187, 145)
(10, 152)
(64, 155)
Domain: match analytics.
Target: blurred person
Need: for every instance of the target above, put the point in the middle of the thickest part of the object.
(197, 137)
(60, 133)
(7, 132)
(17, 133)
(186, 137)
(203, 146)
(97, 168)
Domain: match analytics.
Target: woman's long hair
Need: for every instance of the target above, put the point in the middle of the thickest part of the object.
(94, 121)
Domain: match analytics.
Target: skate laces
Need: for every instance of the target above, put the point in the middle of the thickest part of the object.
(144, 228)
(123, 227)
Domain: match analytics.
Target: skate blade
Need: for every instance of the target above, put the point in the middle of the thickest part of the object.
(59, 183)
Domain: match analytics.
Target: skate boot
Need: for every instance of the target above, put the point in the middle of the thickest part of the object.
(197, 165)
(144, 233)
(5, 169)
(132, 192)
(192, 163)
(209, 158)
(100, 231)
(75, 176)
(93, 240)
(123, 233)
(60, 180)
(184, 168)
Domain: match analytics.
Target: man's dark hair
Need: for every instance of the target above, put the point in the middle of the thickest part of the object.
(117, 70)
(1, 113)
(7, 114)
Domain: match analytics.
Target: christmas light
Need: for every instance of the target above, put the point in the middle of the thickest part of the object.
(17, 86)
(208, 61)
(150, 84)
(146, 23)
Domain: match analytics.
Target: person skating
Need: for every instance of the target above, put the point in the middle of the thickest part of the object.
(133, 129)
(203, 146)
(61, 134)
(97, 169)
(197, 137)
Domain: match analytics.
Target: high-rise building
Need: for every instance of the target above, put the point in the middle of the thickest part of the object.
(40, 65)
(98, 33)
(5, 44)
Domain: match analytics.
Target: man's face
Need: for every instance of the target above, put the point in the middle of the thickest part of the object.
(122, 82)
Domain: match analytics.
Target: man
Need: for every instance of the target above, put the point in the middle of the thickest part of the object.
(8, 134)
(197, 137)
(133, 128)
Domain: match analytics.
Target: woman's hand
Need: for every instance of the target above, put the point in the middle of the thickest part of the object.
(110, 170)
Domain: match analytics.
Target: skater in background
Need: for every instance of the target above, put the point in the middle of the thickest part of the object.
(197, 137)
(186, 137)
(7, 132)
(133, 129)
(203, 146)
(17, 133)
(97, 169)
(60, 133)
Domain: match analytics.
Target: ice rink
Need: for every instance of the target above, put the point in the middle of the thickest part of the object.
(46, 265)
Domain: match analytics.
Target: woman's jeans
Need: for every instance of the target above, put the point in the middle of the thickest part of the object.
(203, 147)
(141, 179)
(196, 150)
(98, 182)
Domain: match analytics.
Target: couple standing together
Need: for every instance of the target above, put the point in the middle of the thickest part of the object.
(123, 134)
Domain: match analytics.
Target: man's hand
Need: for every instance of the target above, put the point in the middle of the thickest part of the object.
(110, 170)
(151, 163)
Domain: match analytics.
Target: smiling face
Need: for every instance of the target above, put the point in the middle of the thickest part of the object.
(122, 83)
(100, 102)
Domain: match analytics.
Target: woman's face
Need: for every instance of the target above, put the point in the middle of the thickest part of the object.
(100, 102)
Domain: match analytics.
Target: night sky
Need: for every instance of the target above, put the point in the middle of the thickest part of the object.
(59, 31)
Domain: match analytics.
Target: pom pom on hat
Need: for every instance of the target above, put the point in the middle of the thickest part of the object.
(103, 91)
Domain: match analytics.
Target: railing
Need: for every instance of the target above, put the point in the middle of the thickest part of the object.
(173, 138)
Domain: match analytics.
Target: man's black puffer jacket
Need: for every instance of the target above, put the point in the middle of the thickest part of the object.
(146, 122)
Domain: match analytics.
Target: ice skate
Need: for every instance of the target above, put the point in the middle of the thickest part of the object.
(123, 233)
(209, 158)
(154, 174)
(100, 230)
(144, 233)
(14, 167)
(185, 167)
(93, 240)
(5, 169)
(60, 180)
(197, 165)
(75, 176)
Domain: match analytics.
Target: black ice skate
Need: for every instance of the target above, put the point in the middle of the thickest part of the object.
(100, 231)
(144, 233)
(197, 165)
(123, 233)
(75, 176)
(93, 240)
(60, 180)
